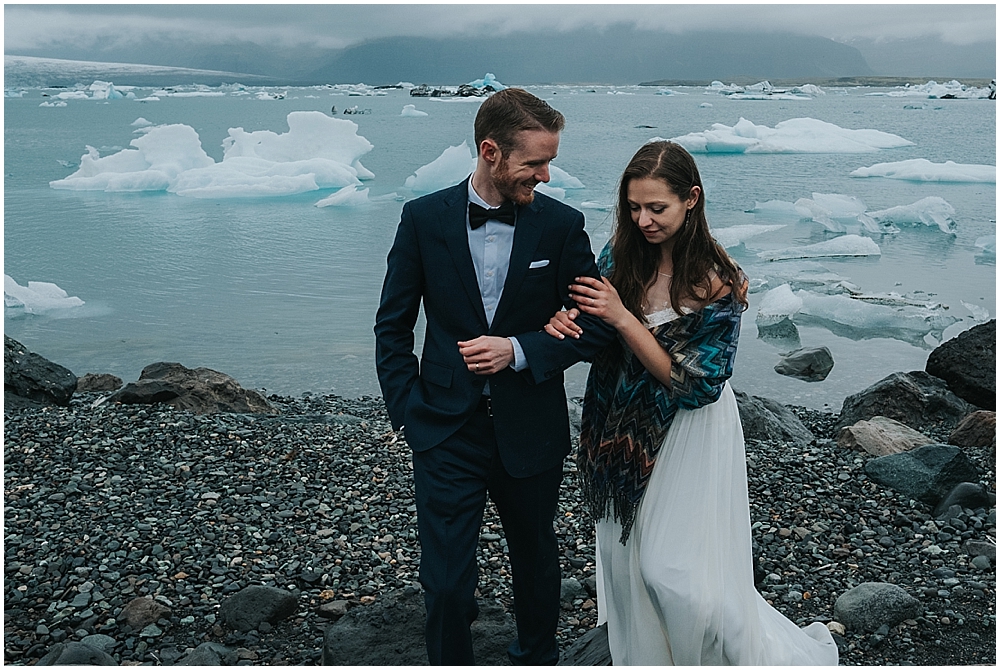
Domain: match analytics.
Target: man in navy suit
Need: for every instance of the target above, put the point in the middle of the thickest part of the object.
(484, 410)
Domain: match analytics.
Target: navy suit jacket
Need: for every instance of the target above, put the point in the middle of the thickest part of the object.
(430, 261)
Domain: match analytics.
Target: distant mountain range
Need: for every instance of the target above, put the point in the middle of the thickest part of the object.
(617, 55)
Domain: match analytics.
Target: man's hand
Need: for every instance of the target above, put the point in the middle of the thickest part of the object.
(487, 355)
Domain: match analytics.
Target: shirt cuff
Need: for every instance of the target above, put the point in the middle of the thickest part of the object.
(520, 363)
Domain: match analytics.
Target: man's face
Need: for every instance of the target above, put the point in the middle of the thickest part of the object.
(516, 174)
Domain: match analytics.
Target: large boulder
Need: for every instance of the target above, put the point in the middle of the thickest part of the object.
(210, 653)
(810, 364)
(881, 436)
(390, 631)
(966, 495)
(29, 380)
(968, 362)
(916, 399)
(98, 382)
(247, 609)
(591, 649)
(200, 390)
(869, 606)
(768, 420)
(926, 473)
(76, 653)
(978, 429)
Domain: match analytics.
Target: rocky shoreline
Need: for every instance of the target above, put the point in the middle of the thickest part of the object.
(108, 505)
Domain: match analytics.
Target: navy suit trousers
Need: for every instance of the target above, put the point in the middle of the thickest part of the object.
(452, 481)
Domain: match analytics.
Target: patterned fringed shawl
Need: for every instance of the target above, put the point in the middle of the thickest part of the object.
(626, 414)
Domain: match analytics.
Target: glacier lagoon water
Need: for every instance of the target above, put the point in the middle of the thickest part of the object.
(282, 295)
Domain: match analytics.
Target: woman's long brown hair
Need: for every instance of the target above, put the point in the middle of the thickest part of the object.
(695, 253)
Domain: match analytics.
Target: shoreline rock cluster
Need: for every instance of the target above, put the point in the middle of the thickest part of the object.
(149, 534)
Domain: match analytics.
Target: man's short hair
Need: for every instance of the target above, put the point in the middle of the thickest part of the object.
(507, 112)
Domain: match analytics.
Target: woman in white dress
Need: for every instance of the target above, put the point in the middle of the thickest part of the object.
(661, 458)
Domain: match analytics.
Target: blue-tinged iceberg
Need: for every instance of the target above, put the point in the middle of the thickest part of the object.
(929, 211)
(489, 80)
(37, 297)
(846, 245)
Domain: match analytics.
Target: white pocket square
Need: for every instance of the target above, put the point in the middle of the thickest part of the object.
(537, 264)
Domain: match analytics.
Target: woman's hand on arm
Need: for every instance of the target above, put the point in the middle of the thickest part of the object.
(601, 299)
(563, 324)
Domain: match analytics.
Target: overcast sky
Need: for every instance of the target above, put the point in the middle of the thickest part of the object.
(32, 27)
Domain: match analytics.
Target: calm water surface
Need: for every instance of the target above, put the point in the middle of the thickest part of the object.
(282, 295)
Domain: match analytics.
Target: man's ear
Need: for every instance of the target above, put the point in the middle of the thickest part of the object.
(489, 151)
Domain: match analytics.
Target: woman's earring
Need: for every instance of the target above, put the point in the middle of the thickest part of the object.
(687, 217)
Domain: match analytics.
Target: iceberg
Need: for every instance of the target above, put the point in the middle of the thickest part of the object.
(104, 90)
(988, 244)
(935, 91)
(846, 245)
(411, 110)
(777, 305)
(57, 103)
(669, 91)
(600, 206)
(317, 152)
(452, 166)
(929, 211)
(37, 297)
(489, 80)
(706, 105)
(801, 135)
(141, 123)
(551, 191)
(856, 319)
(921, 169)
(979, 314)
(349, 196)
(559, 178)
(779, 210)
(733, 236)
(72, 95)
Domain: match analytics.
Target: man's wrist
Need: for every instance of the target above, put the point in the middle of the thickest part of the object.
(519, 361)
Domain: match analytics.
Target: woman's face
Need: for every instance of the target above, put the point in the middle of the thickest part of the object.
(656, 209)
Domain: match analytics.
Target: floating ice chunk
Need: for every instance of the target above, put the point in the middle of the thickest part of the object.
(151, 98)
(779, 210)
(921, 169)
(861, 320)
(593, 204)
(929, 211)
(777, 305)
(141, 123)
(846, 245)
(349, 196)
(802, 135)
(411, 110)
(248, 177)
(669, 91)
(706, 105)
(934, 90)
(956, 329)
(551, 191)
(808, 89)
(310, 135)
(733, 236)
(8, 93)
(160, 156)
(72, 95)
(36, 297)
(452, 166)
(57, 103)
(364, 174)
(488, 80)
(559, 178)
(104, 90)
(979, 314)
(988, 243)
(719, 87)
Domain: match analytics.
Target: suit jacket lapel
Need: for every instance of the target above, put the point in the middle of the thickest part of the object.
(527, 234)
(454, 230)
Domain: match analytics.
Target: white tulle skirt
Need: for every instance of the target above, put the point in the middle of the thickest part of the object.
(681, 591)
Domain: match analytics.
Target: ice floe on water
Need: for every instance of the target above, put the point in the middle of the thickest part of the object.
(936, 91)
(37, 297)
(801, 135)
(733, 236)
(845, 245)
(458, 162)
(452, 166)
(57, 103)
(349, 196)
(921, 169)
(411, 110)
(834, 210)
(987, 243)
(929, 211)
(317, 152)
(488, 80)
(141, 123)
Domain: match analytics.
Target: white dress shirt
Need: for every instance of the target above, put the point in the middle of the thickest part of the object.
(490, 246)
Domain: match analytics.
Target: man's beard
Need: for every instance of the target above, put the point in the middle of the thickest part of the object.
(508, 187)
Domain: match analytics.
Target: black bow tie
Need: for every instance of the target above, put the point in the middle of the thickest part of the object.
(480, 215)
